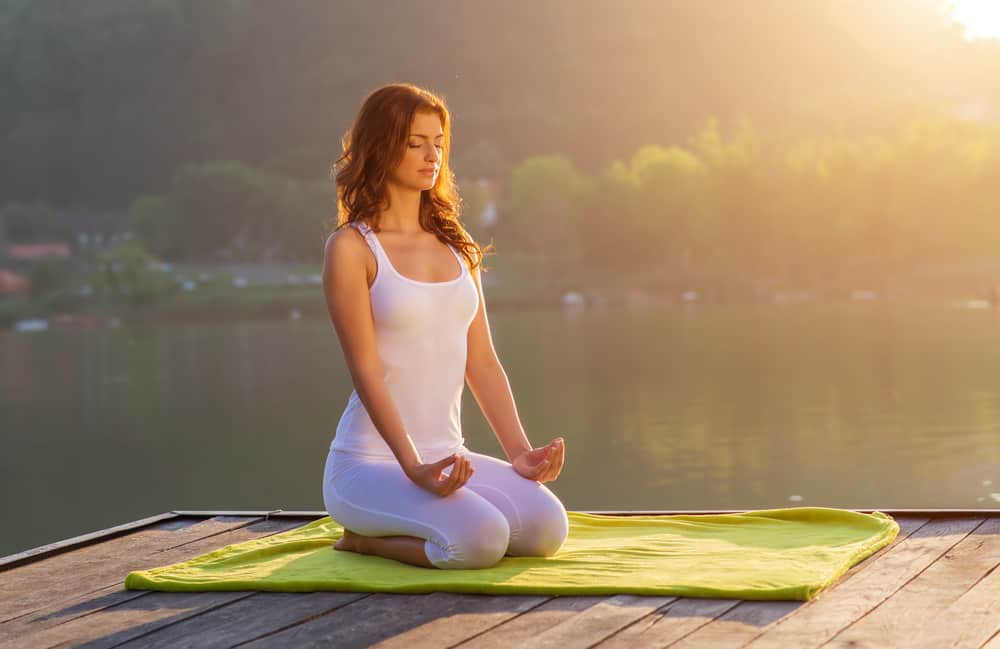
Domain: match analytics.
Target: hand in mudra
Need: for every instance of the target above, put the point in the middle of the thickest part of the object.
(433, 478)
(542, 464)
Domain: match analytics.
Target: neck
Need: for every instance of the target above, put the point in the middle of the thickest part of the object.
(403, 214)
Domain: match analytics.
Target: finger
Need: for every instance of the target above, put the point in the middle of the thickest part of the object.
(460, 472)
(543, 467)
(456, 475)
(560, 459)
(551, 456)
(444, 481)
(554, 472)
(442, 463)
(541, 454)
(555, 462)
(445, 488)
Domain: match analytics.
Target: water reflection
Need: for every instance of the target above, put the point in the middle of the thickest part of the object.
(711, 407)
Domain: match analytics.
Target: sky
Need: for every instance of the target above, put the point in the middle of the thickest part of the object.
(981, 18)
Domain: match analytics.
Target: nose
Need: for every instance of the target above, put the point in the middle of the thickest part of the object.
(432, 154)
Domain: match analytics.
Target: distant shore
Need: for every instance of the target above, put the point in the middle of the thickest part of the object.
(249, 291)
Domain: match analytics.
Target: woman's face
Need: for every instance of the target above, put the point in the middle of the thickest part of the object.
(422, 157)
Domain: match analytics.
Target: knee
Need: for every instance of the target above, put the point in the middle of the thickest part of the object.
(543, 529)
(481, 543)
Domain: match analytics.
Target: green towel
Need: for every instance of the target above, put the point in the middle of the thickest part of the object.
(790, 553)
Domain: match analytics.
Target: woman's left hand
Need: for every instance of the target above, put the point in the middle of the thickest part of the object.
(542, 464)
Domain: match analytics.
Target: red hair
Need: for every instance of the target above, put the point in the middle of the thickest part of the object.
(375, 144)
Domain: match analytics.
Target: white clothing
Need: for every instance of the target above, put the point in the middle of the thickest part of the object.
(496, 512)
(421, 329)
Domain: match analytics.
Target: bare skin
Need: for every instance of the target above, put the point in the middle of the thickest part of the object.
(408, 549)
(401, 220)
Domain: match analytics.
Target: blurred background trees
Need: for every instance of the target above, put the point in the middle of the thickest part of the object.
(804, 142)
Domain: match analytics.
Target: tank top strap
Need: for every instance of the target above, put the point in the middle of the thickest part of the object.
(381, 254)
(365, 231)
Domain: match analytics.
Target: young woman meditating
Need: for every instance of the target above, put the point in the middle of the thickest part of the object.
(402, 285)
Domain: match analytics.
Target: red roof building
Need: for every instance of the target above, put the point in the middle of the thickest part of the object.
(13, 284)
(32, 251)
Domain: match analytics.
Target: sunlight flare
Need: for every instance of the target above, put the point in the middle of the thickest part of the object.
(981, 18)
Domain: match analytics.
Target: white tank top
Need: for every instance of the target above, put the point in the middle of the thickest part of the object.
(421, 331)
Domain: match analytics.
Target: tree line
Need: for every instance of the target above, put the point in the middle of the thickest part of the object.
(833, 151)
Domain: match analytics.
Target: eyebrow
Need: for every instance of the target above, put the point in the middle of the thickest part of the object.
(424, 136)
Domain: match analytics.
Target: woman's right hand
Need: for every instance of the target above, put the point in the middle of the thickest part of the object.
(432, 477)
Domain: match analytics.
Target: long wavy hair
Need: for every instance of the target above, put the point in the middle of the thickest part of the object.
(375, 145)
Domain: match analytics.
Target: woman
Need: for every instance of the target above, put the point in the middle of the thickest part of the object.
(413, 329)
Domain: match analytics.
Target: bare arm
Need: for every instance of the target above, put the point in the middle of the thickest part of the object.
(489, 384)
(345, 287)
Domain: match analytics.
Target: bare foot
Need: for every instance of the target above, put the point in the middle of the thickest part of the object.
(349, 542)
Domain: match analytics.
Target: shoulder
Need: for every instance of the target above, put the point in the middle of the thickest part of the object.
(346, 246)
(345, 240)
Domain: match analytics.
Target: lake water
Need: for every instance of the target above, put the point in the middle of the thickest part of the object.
(857, 405)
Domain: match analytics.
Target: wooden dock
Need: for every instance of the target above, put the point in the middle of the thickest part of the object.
(937, 585)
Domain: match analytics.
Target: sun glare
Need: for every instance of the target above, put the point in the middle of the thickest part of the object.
(981, 18)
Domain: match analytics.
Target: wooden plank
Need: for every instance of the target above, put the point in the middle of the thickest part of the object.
(241, 621)
(109, 591)
(386, 617)
(521, 630)
(747, 619)
(113, 625)
(673, 623)
(34, 554)
(459, 618)
(828, 614)
(970, 621)
(598, 622)
(933, 590)
(455, 617)
(266, 513)
(154, 618)
(488, 626)
(27, 587)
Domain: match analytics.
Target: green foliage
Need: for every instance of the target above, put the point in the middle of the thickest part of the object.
(128, 94)
(542, 206)
(653, 207)
(48, 276)
(104, 99)
(232, 211)
(819, 211)
(301, 219)
(149, 219)
(32, 223)
(122, 275)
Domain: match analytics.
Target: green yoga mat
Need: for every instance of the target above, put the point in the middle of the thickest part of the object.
(782, 554)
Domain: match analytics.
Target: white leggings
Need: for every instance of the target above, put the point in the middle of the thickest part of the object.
(496, 512)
